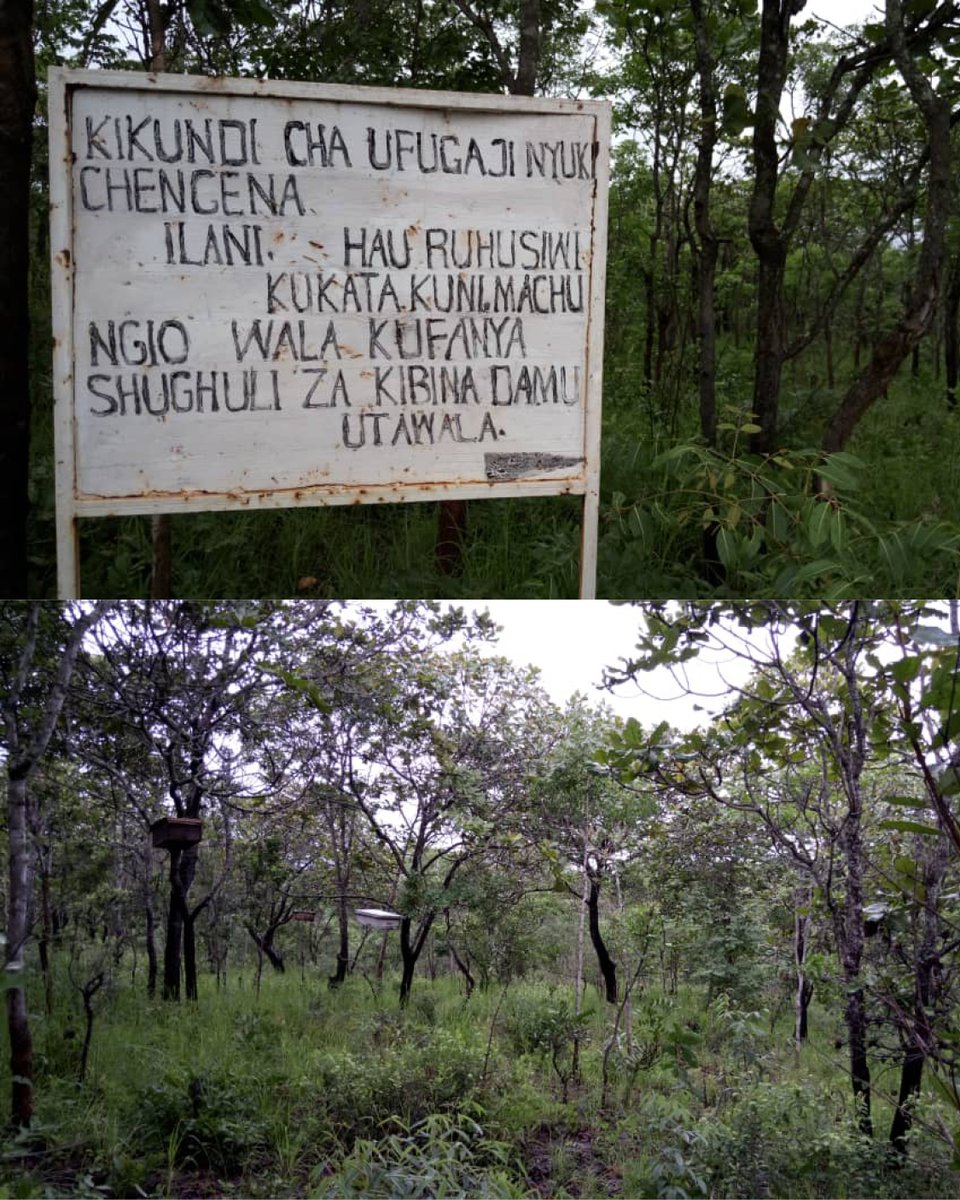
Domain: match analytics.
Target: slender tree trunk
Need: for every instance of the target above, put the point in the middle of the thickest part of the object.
(919, 1038)
(27, 741)
(343, 951)
(708, 248)
(851, 953)
(18, 930)
(951, 334)
(190, 955)
(911, 1075)
(151, 943)
(765, 237)
(173, 947)
(856, 1020)
(46, 932)
(804, 989)
(410, 953)
(17, 102)
(608, 968)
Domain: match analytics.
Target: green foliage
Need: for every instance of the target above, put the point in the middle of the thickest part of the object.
(206, 1120)
(789, 524)
(441, 1155)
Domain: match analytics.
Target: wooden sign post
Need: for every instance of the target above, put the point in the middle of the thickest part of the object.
(273, 294)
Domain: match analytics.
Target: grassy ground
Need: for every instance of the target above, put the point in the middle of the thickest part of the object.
(305, 1092)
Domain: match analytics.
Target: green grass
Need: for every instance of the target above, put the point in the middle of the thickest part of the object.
(300, 1091)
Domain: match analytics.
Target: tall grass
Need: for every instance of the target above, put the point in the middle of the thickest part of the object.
(301, 1091)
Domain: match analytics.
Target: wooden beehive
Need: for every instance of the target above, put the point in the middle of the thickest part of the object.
(172, 833)
(379, 918)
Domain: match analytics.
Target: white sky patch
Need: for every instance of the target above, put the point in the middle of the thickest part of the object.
(571, 641)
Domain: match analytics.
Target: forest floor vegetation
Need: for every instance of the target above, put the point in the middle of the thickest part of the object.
(297, 1090)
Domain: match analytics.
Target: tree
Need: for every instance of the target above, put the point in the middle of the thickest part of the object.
(182, 675)
(808, 708)
(38, 654)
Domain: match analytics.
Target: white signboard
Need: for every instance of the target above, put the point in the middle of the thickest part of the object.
(276, 294)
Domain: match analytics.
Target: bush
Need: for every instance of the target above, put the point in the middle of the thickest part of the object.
(207, 1120)
(442, 1155)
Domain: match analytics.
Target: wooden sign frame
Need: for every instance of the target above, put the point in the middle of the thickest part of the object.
(273, 294)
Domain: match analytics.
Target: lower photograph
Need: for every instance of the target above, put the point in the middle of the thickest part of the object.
(502, 898)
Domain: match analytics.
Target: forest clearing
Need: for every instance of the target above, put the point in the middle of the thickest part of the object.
(780, 356)
(604, 958)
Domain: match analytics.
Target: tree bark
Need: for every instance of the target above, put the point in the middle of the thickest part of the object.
(17, 103)
(804, 989)
(26, 746)
(18, 930)
(951, 333)
(265, 946)
(708, 248)
(343, 951)
(608, 968)
(151, 944)
(410, 952)
(768, 243)
(183, 867)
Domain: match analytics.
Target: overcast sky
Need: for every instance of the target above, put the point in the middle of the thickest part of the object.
(571, 641)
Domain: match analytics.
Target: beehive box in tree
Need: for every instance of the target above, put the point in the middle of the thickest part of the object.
(277, 294)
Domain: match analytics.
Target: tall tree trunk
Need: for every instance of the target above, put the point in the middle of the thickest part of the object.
(708, 248)
(769, 245)
(27, 740)
(46, 931)
(343, 951)
(18, 930)
(608, 968)
(151, 943)
(918, 1035)
(804, 988)
(183, 868)
(17, 102)
(173, 946)
(190, 955)
(410, 951)
(856, 1019)
(951, 333)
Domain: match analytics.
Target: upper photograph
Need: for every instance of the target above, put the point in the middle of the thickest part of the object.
(521, 299)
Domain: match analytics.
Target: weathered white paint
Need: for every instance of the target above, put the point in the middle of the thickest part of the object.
(272, 294)
(379, 918)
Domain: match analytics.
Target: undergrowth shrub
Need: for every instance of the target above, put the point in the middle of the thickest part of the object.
(790, 524)
(781, 1140)
(207, 1120)
(408, 1078)
(444, 1154)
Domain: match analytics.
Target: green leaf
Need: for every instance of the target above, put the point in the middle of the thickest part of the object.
(946, 1090)
(906, 801)
(842, 470)
(818, 522)
(911, 827)
(736, 111)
